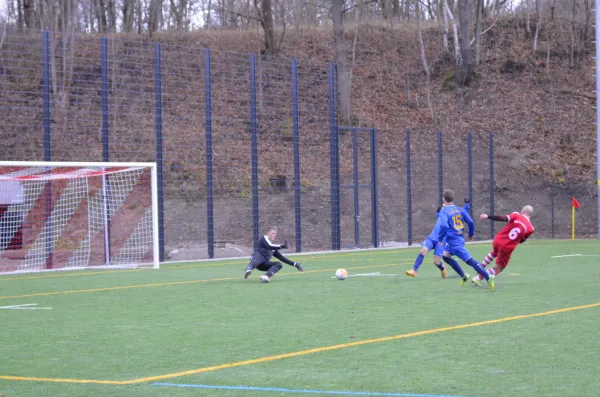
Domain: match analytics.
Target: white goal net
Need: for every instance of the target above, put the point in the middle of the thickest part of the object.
(57, 216)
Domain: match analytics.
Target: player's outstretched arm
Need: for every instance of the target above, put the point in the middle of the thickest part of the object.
(502, 218)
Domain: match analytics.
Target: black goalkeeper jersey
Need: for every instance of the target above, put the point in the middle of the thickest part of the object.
(266, 248)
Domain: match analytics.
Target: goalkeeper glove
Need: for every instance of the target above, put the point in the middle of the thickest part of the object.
(284, 245)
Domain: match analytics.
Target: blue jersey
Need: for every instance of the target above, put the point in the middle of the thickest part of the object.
(468, 208)
(433, 234)
(451, 224)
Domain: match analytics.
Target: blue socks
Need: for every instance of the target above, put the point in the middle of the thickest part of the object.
(478, 268)
(454, 264)
(418, 262)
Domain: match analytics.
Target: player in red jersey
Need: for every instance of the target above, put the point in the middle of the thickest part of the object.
(517, 231)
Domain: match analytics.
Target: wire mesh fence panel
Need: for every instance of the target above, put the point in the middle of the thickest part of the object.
(454, 165)
(131, 84)
(232, 147)
(22, 95)
(184, 147)
(76, 98)
(425, 188)
(393, 203)
(481, 199)
(275, 146)
(315, 156)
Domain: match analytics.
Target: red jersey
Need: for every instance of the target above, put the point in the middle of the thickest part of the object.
(518, 229)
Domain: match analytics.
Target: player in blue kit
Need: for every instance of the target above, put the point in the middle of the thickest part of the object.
(450, 226)
(427, 245)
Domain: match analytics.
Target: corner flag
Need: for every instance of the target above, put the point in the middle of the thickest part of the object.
(574, 204)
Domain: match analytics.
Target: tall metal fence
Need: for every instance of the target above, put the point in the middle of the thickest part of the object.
(244, 141)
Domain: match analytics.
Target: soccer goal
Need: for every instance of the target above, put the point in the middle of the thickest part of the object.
(67, 215)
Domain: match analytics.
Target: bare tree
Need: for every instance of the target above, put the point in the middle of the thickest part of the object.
(420, 37)
(537, 25)
(100, 15)
(454, 34)
(341, 60)
(207, 15)
(128, 10)
(478, 12)
(28, 14)
(573, 31)
(357, 13)
(424, 59)
(232, 16)
(445, 35)
(112, 16)
(155, 16)
(466, 70)
(264, 11)
(178, 14)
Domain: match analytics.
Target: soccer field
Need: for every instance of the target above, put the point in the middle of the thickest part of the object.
(200, 329)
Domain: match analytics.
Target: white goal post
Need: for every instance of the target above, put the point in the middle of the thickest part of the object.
(77, 215)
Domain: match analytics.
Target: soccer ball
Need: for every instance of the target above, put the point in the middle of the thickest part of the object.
(341, 274)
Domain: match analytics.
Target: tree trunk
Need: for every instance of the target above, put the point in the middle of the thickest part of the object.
(266, 21)
(101, 15)
(155, 16)
(420, 37)
(208, 18)
(537, 25)
(478, 11)
(128, 9)
(396, 8)
(466, 70)
(445, 36)
(454, 35)
(112, 16)
(386, 9)
(341, 60)
(29, 14)
(232, 18)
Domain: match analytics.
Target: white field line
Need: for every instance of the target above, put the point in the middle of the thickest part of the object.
(26, 306)
(377, 274)
(566, 256)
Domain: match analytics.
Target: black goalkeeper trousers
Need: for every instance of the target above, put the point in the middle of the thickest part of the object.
(258, 261)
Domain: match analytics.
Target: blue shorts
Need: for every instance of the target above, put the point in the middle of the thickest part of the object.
(439, 249)
(459, 250)
(432, 245)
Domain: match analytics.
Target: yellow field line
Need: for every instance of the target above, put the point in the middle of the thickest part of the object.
(80, 291)
(300, 353)
(62, 380)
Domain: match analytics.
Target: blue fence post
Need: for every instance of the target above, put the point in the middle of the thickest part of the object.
(105, 120)
(491, 183)
(440, 168)
(375, 189)
(408, 188)
(105, 144)
(254, 136)
(296, 137)
(470, 170)
(356, 187)
(159, 150)
(552, 194)
(210, 225)
(47, 108)
(334, 159)
(47, 139)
